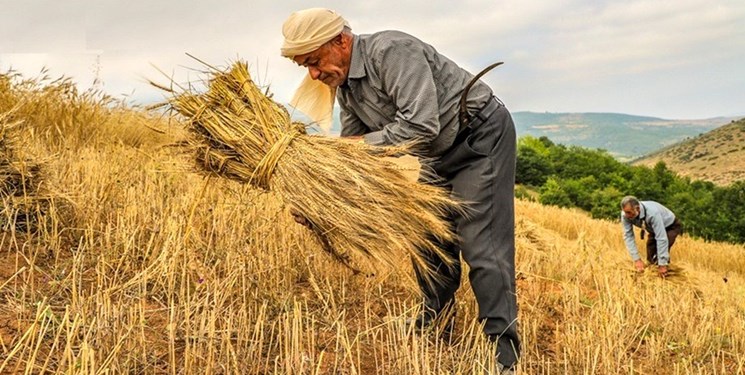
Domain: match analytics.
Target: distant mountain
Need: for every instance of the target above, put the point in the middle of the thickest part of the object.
(717, 156)
(624, 136)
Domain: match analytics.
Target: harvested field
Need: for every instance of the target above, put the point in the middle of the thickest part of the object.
(150, 267)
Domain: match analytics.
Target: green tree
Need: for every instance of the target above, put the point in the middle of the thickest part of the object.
(665, 177)
(605, 203)
(533, 168)
(579, 190)
(696, 210)
(577, 162)
(617, 179)
(730, 207)
(553, 193)
(645, 186)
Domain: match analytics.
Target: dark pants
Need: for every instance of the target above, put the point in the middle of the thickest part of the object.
(480, 169)
(673, 231)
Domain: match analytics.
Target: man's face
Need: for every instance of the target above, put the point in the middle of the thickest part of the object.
(630, 211)
(329, 63)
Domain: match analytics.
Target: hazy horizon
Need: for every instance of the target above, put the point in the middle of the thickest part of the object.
(670, 60)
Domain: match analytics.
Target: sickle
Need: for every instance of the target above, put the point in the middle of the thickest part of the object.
(463, 112)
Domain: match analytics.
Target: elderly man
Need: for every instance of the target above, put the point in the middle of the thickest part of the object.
(663, 228)
(392, 89)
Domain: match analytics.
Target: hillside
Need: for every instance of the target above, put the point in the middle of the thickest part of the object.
(717, 156)
(623, 136)
(136, 264)
(626, 137)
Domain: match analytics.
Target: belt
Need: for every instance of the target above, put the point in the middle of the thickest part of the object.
(475, 120)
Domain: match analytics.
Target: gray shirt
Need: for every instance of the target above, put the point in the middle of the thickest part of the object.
(400, 89)
(657, 218)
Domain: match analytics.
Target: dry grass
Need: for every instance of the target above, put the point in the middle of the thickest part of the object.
(717, 156)
(154, 269)
(20, 179)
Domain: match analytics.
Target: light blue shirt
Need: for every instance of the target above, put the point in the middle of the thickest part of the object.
(657, 218)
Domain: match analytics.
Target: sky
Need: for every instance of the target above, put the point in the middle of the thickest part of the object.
(682, 59)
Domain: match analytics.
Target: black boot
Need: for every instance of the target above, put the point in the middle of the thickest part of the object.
(506, 353)
(441, 323)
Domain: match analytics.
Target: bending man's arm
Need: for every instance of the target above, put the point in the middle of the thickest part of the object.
(628, 237)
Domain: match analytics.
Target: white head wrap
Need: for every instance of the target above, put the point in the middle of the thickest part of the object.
(305, 31)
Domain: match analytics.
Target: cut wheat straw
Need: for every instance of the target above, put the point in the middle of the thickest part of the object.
(358, 202)
(21, 203)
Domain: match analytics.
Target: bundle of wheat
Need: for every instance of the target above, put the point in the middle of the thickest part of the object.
(355, 199)
(20, 178)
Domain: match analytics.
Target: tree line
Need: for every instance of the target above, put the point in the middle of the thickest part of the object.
(593, 180)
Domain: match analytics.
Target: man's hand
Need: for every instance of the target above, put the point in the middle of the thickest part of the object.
(300, 219)
(662, 270)
(639, 265)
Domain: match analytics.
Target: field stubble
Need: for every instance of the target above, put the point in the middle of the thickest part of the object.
(141, 266)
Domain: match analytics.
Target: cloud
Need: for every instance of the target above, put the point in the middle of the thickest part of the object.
(42, 27)
(633, 37)
(640, 56)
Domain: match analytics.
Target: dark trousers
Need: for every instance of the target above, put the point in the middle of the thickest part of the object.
(480, 170)
(673, 231)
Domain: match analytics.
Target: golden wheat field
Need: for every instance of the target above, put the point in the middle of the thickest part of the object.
(116, 257)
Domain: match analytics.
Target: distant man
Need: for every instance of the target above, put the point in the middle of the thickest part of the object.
(663, 228)
(393, 89)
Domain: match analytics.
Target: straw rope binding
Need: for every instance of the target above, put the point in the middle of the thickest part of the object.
(358, 201)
